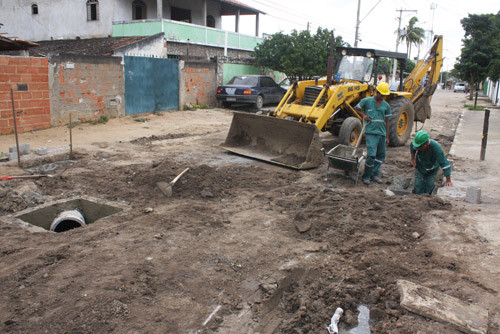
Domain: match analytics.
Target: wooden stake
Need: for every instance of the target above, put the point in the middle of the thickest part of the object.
(484, 140)
(70, 138)
(15, 128)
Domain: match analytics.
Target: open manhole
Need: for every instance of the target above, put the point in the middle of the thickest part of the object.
(64, 216)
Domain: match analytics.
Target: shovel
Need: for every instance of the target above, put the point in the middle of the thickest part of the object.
(34, 176)
(359, 139)
(166, 188)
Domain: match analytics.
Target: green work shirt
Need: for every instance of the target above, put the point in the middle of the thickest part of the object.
(427, 162)
(377, 114)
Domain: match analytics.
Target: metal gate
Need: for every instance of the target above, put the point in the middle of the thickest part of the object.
(151, 84)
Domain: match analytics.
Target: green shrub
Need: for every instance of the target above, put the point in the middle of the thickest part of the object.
(471, 107)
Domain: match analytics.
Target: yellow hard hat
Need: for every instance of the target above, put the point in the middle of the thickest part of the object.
(383, 88)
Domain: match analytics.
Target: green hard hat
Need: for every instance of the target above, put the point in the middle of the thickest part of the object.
(421, 137)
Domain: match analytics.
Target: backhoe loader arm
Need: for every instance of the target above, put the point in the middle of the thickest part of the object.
(431, 64)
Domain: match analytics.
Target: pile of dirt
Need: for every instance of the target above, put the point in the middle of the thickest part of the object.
(137, 183)
(147, 140)
(372, 242)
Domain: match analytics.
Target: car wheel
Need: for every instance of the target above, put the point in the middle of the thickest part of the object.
(226, 104)
(259, 103)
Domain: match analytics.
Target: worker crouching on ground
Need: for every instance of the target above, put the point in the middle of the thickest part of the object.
(427, 156)
(376, 111)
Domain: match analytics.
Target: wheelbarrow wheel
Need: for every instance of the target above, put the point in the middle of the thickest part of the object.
(350, 131)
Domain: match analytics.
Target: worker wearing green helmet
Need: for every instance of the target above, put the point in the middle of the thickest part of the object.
(427, 156)
(377, 112)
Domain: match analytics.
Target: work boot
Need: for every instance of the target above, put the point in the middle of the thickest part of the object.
(377, 179)
(366, 181)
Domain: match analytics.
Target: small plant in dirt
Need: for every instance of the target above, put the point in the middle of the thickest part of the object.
(189, 106)
(204, 106)
(103, 119)
(141, 120)
(471, 107)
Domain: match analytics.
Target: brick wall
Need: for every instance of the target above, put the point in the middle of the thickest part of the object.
(86, 87)
(200, 83)
(32, 106)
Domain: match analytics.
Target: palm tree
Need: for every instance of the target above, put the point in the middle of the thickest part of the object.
(412, 35)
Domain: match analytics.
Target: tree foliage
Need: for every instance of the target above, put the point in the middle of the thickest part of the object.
(480, 57)
(299, 55)
(412, 35)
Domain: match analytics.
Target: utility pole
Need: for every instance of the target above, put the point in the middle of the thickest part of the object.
(307, 26)
(431, 34)
(397, 40)
(356, 36)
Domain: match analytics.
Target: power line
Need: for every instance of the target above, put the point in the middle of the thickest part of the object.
(370, 11)
(308, 19)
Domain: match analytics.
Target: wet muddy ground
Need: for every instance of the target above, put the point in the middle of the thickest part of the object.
(241, 247)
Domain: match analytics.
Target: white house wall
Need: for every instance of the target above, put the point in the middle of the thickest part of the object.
(67, 19)
(56, 19)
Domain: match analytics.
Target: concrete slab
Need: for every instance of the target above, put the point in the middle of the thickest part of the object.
(473, 195)
(440, 307)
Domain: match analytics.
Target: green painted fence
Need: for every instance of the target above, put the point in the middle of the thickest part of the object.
(185, 32)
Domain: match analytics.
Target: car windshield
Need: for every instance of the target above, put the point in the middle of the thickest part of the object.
(460, 84)
(244, 81)
(356, 68)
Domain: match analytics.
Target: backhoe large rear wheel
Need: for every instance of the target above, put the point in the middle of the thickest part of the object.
(401, 121)
(350, 131)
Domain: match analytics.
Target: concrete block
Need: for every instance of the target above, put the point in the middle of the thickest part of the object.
(42, 151)
(473, 195)
(24, 148)
(12, 156)
(12, 149)
(430, 303)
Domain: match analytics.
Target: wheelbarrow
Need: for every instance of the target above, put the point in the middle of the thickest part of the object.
(347, 158)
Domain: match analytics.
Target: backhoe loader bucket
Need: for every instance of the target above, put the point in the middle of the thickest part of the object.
(276, 140)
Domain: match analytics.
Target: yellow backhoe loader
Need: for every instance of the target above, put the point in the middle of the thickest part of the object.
(289, 135)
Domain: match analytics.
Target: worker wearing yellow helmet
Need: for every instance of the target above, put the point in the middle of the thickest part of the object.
(427, 156)
(376, 111)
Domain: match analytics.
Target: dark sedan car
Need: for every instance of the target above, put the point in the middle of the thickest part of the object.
(254, 89)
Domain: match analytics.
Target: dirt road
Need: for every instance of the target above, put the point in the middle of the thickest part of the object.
(224, 254)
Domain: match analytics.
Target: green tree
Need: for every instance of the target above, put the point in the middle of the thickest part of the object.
(480, 56)
(412, 35)
(299, 55)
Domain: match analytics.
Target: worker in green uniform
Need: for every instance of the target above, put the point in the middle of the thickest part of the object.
(427, 156)
(376, 111)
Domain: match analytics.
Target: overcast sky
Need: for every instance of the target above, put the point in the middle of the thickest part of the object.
(379, 20)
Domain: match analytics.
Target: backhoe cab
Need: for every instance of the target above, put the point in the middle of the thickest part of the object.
(289, 135)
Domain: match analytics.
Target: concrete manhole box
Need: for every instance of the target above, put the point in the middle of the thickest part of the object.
(65, 215)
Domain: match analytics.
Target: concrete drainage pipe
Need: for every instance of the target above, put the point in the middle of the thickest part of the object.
(67, 220)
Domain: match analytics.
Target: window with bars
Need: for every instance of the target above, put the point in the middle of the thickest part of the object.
(92, 10)
(139, 10)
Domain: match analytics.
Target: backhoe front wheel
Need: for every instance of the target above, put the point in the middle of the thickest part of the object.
(350, 131)
(401, 121)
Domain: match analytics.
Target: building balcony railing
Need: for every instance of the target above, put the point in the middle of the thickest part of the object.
(181, 32)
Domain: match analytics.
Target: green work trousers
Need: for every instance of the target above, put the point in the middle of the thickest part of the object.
(375, 151)
(424, 184)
